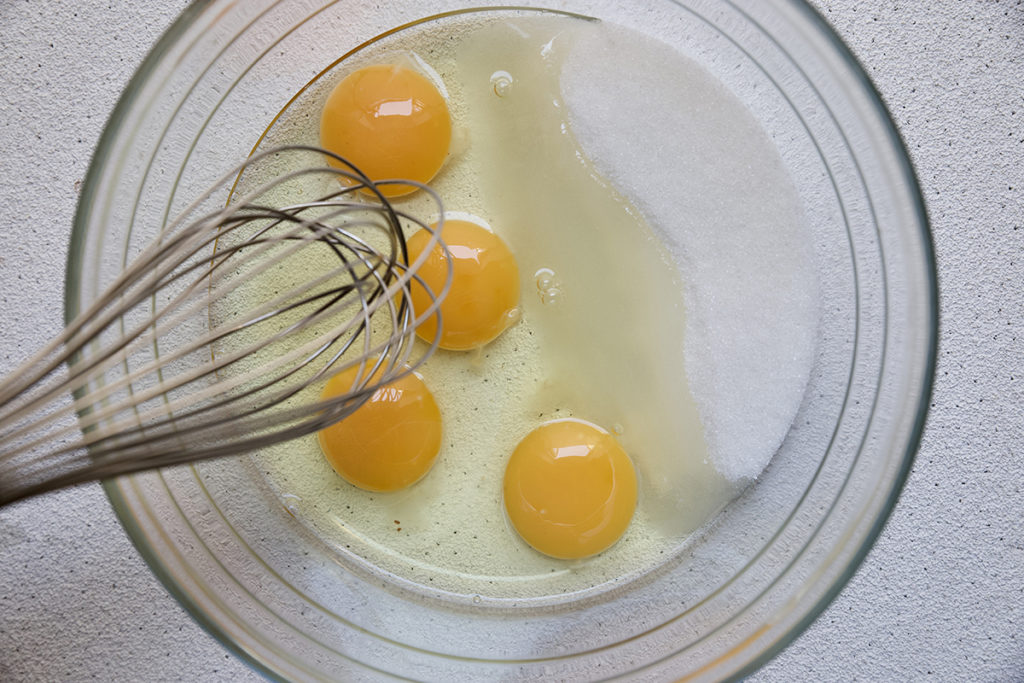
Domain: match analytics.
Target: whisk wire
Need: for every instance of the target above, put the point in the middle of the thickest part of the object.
(187, 355)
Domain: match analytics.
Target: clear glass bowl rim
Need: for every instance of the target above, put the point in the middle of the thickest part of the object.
(151, 66)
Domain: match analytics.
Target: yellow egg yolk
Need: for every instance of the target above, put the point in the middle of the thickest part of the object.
(390, 441)
(484, 295)
(391, 122)
(570, 490)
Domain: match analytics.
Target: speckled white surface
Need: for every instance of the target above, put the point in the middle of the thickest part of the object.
(940, 597)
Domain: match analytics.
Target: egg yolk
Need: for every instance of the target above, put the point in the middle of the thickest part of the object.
(390, 122)
(390, 441)
(570, 490)
(484, 294)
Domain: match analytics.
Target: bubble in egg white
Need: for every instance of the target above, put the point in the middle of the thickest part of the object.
(502, 82)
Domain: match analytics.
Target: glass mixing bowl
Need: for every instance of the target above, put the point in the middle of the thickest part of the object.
(240, 558)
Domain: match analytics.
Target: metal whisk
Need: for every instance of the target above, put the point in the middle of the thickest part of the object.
(215, 340)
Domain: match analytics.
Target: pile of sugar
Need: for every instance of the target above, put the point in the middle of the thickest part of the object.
(716, 192)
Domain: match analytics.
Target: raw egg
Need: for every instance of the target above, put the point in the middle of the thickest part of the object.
(484, 295)
(570, 489)
(391, 122)
(390, 441)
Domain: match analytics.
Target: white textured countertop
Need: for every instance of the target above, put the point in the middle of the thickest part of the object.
(940, 597)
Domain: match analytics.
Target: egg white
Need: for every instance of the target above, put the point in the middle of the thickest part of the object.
(601, 335)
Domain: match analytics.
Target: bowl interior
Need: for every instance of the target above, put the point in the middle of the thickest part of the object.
(263, 568)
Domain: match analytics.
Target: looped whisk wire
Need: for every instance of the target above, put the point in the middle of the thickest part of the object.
(216, 340)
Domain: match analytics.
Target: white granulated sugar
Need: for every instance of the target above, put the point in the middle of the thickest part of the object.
(693, 159)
